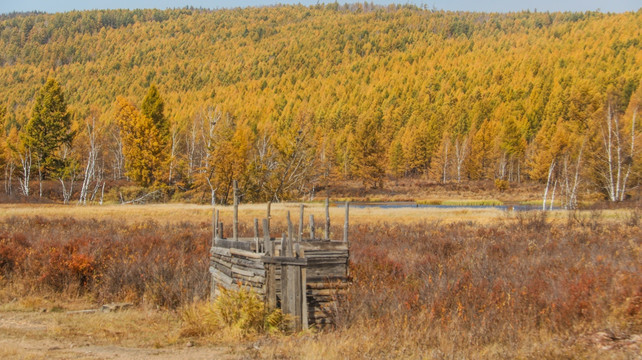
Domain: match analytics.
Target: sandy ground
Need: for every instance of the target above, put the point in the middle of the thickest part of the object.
(32, 335)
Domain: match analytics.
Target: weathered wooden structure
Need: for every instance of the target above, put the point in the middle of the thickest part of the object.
(301, 275)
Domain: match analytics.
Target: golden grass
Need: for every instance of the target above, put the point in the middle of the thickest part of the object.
(364, 338)
(174, 213)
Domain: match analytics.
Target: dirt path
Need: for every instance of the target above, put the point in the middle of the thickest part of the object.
(35, 336)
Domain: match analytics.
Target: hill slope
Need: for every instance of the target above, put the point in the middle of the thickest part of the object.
(452, 95)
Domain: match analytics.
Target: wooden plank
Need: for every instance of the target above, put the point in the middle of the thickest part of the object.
(291, 291)
(297, 296)
(221, 276)
(327, 285)
(242, 271)
(289, 243)
(284, 245)
(346, 223)
(326, 253)
(221, 235)
(257, 248)
(284, 291)
(214, 227)
(327, 271)
(235, 227)
(249, 265)
(225, 270)
(270, 286)
(322, 279)
(300, 237)
(327, 219)
(312, 227)
(323, 261)
(243, 245)
(304, 294)
(221, 251)
(266, 239)
(284, 260)
(330, 245)
(268, 216)
(327, 292)
(243, 252)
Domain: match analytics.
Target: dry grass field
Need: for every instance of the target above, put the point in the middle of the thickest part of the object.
(426, 283)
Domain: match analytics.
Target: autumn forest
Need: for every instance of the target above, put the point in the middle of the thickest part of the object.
(290, 99)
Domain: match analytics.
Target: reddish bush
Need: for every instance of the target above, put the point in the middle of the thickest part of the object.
(144, 262)
(526, 274)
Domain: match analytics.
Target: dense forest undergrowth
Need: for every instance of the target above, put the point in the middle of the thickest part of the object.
(289, 99)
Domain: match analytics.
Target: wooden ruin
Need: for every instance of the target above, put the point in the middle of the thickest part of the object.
(301, 275)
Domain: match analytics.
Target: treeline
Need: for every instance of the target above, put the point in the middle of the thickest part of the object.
(288, 99)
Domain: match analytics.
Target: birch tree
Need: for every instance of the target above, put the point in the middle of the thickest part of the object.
(613, 162)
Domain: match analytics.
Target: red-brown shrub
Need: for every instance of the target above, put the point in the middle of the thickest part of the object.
(110, 260)
(485, 281)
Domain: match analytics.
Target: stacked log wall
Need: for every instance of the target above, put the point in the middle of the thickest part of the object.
(326, 276)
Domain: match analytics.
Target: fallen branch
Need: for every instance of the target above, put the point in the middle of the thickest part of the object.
(122, 202)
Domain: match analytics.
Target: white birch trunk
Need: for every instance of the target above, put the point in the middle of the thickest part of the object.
(548, 183)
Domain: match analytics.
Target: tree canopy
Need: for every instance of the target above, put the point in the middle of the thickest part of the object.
(453, 95)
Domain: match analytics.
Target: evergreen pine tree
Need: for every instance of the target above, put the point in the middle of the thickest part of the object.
(48, 129)
(154, 108)
(368, 154)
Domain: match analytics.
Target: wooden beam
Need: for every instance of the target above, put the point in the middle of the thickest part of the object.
(346, 223)
(304, 293)
(266, 236)
(284, 260)
(270, 281)
(214, 225)
(288, 249)
(257, 247)
(268, 216)
(327, 219)
(284, 279)
(235, 228)
(300, 237)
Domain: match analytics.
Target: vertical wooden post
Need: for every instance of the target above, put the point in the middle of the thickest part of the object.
(267, 216)
(266, 239)
(292, 283)
(221, 235)
(304, 294)
(290, 230)
(284, 245)
(284, 277)
(311, 227)
(327, 219)
(256, 236)
(214, 225)
(346, 224)
(301, 223)
(296, 290)
(235, 228)
(270, 281)
(219, 232)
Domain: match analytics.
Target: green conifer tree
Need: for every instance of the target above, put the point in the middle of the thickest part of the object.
(154, 108)
(368, 154)
(48, 129)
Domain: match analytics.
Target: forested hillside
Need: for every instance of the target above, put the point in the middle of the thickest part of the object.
(289, 97)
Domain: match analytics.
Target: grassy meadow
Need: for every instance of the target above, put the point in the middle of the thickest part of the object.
(426, 283)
